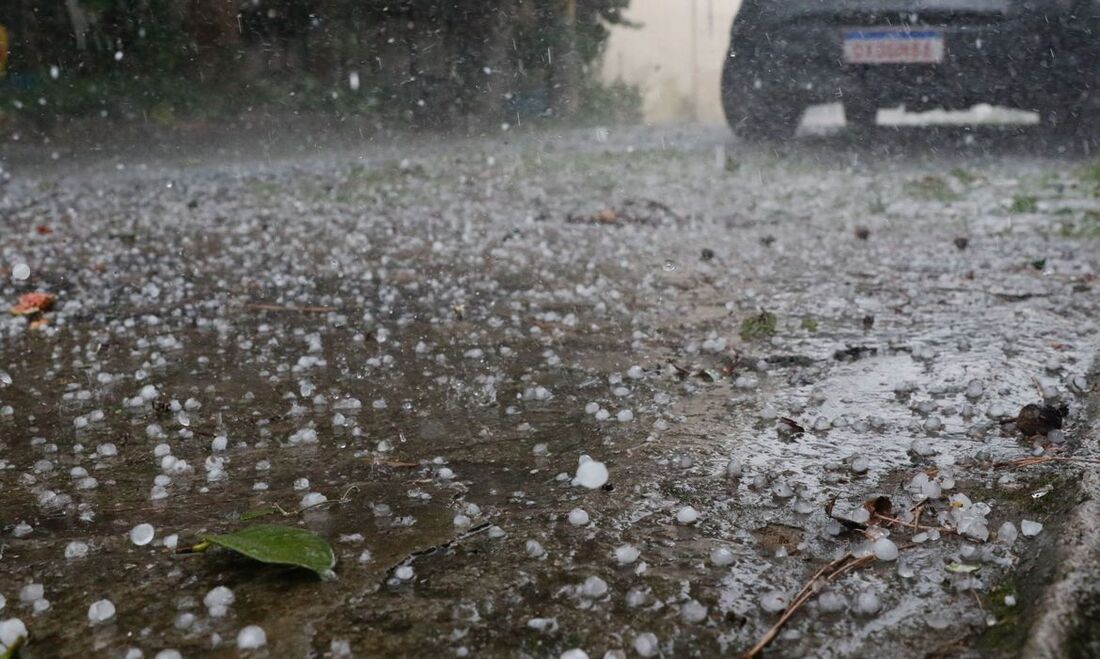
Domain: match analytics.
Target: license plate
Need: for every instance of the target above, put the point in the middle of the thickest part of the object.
(892, 46)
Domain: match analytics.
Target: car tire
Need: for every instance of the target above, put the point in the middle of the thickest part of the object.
(755, 111)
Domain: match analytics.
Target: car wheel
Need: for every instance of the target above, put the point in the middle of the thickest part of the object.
(754, 109)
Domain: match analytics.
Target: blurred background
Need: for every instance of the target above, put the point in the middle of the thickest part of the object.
(404, 63)
(673, 53)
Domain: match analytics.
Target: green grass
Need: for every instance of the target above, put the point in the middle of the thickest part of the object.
(760, 326)
(1090, 174)
(963, 176)
(1024, 204)
(932, 188)
(1087, 227)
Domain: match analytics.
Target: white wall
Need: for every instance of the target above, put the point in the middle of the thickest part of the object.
(675, 56)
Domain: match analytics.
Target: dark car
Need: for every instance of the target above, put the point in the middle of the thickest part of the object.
(1040, 55)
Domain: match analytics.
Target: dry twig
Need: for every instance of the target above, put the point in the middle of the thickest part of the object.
(826, 574)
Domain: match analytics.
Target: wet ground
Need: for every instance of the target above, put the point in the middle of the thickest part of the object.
(430, 335)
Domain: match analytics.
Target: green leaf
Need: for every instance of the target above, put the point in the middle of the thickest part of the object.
(14, 650)
(280, 545)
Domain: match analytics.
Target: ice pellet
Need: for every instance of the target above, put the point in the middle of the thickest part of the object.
(578, 517)
(218, 600)
(591, 474)
(142, 534)
(101, 611)
(885, 549)
(687, 515)
(251, 637)
(626, 554)
(1030, 528)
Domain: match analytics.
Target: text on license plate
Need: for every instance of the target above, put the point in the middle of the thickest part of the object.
(878, 46)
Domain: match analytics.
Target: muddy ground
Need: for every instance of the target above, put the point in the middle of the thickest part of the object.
(431, 334)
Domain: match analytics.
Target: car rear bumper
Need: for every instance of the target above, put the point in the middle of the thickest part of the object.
(1016, 61)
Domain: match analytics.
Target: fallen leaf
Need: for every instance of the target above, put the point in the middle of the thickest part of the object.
(961, 568)
(790, 426)
(881, 506)
(1039, 419)
(279, 545)
(30, 304)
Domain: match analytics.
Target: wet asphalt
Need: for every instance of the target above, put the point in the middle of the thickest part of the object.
(428, 334)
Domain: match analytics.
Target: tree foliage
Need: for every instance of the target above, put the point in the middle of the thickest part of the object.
(433, 61)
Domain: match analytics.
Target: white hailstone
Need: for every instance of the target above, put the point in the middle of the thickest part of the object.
(578, 517)
(626, 554)
(591, 408)
(184, 621)
(76, 549)
(734, 468)
(251, 637)
(218, 601)
(591, 474)
(22, 530)
(721, 556)
(1007, 533)
(31, 593)
(101, 611)
(445, 473)
(782, 490)
(462, 521)
(830, 602)
(868, 602)
(171, 541)
(974, 389)
(636, 597)
(540, 449)
(575, 653)
(404, 573)
(594, 587)
(21, 272)
(543, 624)
(11, 631)
(534, 549)
(693, 612)
(625, 415)
(885, 549)
(1010, 600)
(1030, 528)
(687, 515)
(168, 654)
(773, 602)
(219, 443)
(142, 534)
(301, 484)
(646, 644)
(312, 499)
(860, 465)
(366, 556)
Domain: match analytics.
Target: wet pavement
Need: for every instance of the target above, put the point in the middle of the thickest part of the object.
(431, 336)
